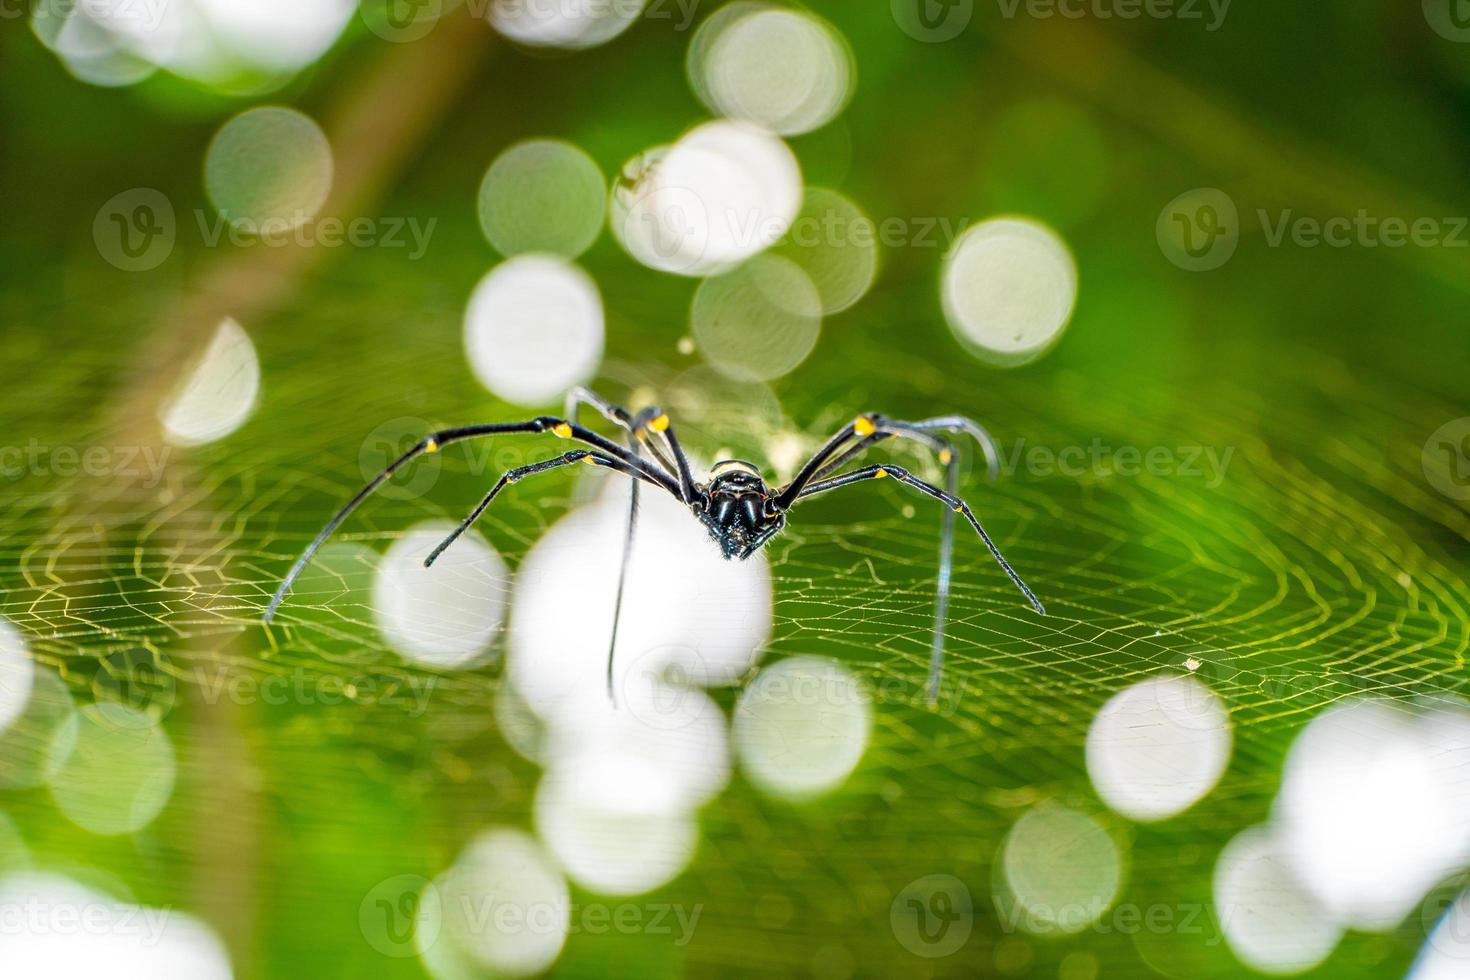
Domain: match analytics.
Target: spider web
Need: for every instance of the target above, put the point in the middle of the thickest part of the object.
(1318, 568)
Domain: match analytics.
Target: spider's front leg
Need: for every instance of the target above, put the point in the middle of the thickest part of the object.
(436, 441)
(590, 456)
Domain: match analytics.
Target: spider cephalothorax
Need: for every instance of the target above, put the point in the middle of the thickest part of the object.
(737, 508)
(740, 512)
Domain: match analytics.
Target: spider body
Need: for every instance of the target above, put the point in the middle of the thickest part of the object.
(736, 506)
(740, 511)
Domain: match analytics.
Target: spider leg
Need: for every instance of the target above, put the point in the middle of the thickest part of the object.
(955, 505)
(521, 472)
(651, 428)
(436, 441)
(642, 430)
(921, 432)
(618, 416)
(859, 428)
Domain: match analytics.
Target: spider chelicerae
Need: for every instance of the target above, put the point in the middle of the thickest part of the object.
(734, 502)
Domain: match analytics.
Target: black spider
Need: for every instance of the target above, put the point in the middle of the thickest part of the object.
(737, 507)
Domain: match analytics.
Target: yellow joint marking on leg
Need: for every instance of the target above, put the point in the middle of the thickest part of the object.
(590, 460)
(881, 473)
(562, 430)
(946, 457)
(432, 446)
(960, 509)
(659, 424)
(863, 426)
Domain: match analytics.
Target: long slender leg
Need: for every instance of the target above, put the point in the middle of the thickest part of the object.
(941, 587)
(642, 430)
(955, 505)
(618, 416)
(436, 441)
(648, 427)
(859, 428)
(520, 473)
(887, 428)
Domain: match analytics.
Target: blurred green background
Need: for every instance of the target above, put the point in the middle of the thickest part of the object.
(1326, 563)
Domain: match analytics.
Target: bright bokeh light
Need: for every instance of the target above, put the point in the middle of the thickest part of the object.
(1156, 748)
(1374, 806)
(24, 745)
(836, 245)
(249, 44)
(534, 328)
(447, 615)
(758, 321)
(564, 23)
(111, 769)
(268, 170)
(1272, 922)
(505, 905)
(1008, 289)
(542, 196)
(801, 727)
(687, 614)
(1061, 867)
(617, 829)
(57, 929)
(90, 41)
(17, 674)
(781, 68)
(723, 192)
(276, 34)
(220, 393)
(676, 731)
